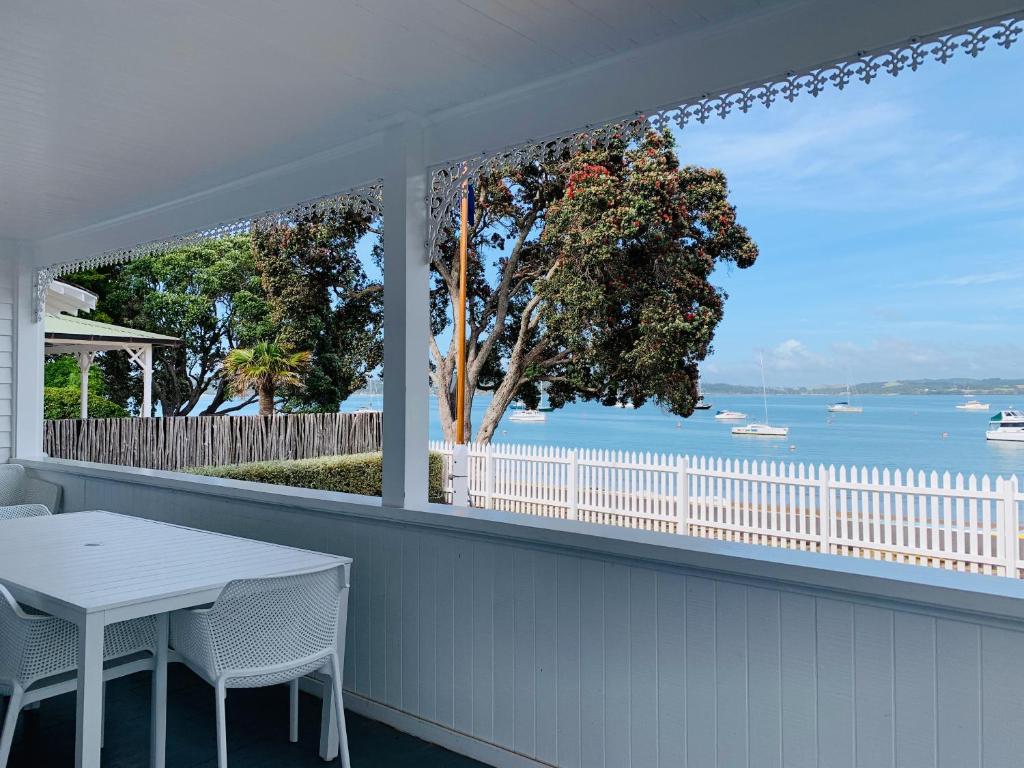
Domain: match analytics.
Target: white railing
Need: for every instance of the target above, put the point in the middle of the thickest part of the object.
(958, 523)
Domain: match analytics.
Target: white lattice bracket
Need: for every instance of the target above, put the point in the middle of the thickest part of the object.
(366, 199)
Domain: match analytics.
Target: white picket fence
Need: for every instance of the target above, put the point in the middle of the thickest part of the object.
(952, 522)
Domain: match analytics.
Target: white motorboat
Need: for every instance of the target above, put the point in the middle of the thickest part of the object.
(628, 405)
(761, 430)
(1006, 426)
(528, 416)
(972, 405)
(730, 416)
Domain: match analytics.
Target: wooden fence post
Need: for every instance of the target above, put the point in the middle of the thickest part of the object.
(825, 507)
(489, 477)
(1011, 524)
(572, 490)
(682, 495)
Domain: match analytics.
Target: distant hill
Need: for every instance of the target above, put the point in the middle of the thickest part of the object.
(955, 386)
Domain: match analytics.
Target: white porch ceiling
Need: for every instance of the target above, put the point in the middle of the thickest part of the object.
(113, 105)
(142, 118)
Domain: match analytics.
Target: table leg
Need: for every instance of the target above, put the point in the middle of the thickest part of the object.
(90, 691)
(158, 706)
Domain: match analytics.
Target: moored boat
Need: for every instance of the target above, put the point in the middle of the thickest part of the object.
(844, 407)
(761, 430)
(1006, 426)
(730, 416)
(972, 405)
(528, 415)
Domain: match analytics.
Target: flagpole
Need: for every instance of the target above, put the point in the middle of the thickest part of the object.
(460, 322)
(460, 452)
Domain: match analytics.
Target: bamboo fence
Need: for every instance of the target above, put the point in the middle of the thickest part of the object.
(182, 441)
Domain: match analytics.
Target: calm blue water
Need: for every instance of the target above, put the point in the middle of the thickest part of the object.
(893, 431)
(903, 431)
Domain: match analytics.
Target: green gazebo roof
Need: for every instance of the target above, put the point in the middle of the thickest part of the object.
(69, 328)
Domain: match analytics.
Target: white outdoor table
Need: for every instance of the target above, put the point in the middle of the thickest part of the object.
(97, 568)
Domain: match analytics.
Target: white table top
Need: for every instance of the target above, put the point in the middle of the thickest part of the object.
(85, 562)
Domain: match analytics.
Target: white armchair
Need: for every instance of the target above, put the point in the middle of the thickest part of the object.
(39, 654)
(24, 496)
(263, 632)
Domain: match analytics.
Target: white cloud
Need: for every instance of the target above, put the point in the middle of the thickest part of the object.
(978, 278)
(859, 155)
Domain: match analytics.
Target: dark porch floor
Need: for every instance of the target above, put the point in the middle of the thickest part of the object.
(257, 731)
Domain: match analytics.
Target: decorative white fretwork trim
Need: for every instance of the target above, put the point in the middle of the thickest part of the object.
(447, 180)
(865, 67)
(367, 199)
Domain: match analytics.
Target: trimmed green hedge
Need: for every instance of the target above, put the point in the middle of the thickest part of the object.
(355, 473)
(66, 403)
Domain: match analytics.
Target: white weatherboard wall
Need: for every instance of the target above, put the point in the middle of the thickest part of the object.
(7, 349)
(510, 649)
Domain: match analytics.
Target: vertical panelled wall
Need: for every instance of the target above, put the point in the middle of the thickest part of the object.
(577, 660)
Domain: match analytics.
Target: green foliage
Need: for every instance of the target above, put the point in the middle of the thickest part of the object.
(637, 312)
(208, 294)
(355, 473)
(263, 368)
(589, 277)
(63, 371)
(321, 299)
(65, 403)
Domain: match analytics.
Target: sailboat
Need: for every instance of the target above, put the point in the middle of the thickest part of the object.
(845, 406)
(702, 404)
(762, 430)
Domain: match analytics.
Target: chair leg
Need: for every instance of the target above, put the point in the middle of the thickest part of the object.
(293, 711)
(339, 708)
(328, 722)
(222, 730)
(10, 722)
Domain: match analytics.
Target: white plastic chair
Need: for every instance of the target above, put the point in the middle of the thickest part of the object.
(39, 658)
(264, 632)
(24, 496)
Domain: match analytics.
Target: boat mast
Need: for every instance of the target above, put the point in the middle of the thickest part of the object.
(764, 390)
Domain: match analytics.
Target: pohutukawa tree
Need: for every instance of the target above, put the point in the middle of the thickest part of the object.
(590, 276)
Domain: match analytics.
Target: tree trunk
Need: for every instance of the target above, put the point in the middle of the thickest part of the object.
(266, 400)
(502, 399)
(446, 408)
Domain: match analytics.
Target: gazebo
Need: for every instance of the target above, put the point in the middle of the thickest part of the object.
(66, 333)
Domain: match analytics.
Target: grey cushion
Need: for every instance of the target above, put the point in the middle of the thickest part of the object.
(12, 484)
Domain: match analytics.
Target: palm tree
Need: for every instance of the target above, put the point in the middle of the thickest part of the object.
(263, 368)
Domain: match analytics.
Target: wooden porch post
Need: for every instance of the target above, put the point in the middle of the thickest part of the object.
(84, 364)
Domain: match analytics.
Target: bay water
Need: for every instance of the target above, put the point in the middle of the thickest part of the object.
(919, 432)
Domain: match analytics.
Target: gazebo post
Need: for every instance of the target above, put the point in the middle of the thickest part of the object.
(84, 364)
(147, 380)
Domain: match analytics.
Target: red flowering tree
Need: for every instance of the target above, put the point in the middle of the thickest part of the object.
(590, 276)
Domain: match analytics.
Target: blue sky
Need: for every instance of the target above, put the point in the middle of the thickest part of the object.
(890, 219)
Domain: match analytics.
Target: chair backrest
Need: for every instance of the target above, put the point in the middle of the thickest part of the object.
(260, 623)
(13, 635)
(12, 484)
(15, 511)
